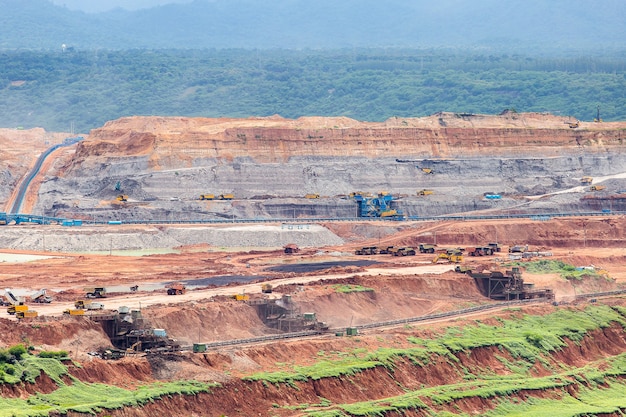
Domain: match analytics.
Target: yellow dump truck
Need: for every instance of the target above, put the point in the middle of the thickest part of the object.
(91, 305)
(226, 197)
(241, 297)
(30, 314)
(312, 196)
(597, 188)
(14, 309)
(207, 197)
(425, 192)
(74, 312)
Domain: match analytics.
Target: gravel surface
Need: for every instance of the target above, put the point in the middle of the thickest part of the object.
(105, 238)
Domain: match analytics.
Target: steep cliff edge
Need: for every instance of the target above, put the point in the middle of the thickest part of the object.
(271, 140)
(165, 164)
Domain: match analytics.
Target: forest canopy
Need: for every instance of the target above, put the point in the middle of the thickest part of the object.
(87, 88)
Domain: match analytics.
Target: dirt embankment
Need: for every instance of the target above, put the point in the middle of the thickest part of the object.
(19, 149)
(377, 383)
(268, 140)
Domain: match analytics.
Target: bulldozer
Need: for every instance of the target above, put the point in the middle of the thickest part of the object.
(455, 258)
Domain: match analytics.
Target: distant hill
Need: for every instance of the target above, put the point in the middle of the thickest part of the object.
(515, 25)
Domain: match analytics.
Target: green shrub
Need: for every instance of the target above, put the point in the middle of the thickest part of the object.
(60, 354)
(18, 351)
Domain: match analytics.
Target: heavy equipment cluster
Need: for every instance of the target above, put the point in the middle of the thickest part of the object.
(227, 196)
(508, 285)
(377, 206)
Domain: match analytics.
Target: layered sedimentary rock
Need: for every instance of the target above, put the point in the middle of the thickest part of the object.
(164, 164)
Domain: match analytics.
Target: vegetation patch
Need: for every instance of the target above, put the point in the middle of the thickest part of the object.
(527, 339)
(603, 396)
(18, 366)
(565, 270)
(347, 288)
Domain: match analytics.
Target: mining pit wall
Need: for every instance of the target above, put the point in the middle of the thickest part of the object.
(164, 165)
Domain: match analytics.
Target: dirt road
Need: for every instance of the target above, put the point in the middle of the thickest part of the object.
(148, 299)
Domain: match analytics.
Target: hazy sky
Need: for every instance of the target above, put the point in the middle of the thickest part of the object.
(94, 6)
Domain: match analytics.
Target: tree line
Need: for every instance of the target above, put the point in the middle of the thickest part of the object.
(87, 88)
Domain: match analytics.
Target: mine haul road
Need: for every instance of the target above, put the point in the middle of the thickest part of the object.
(147, 299)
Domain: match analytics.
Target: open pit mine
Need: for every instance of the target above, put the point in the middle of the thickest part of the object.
(451, 265)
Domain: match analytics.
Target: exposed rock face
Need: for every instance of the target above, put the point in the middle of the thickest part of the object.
(270, 163)
(276, 140)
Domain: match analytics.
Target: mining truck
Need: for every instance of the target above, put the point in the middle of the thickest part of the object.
(495, 246)
(425, 248)
(386, 251)
(518, 249)
(41, 297)
(74, 312)
(404, 251)
(28, 314)
(176, 289)
(479, 251)
(367, 250)
(291, 248)
(14, 309)
(207, 197)
(95, 292)
(81, 304)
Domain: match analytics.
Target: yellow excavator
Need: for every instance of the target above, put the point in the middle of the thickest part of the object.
(452, 257)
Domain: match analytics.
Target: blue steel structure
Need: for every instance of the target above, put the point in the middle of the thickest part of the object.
(377, 207)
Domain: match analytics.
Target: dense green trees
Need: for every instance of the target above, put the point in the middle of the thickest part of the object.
(88, 88)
